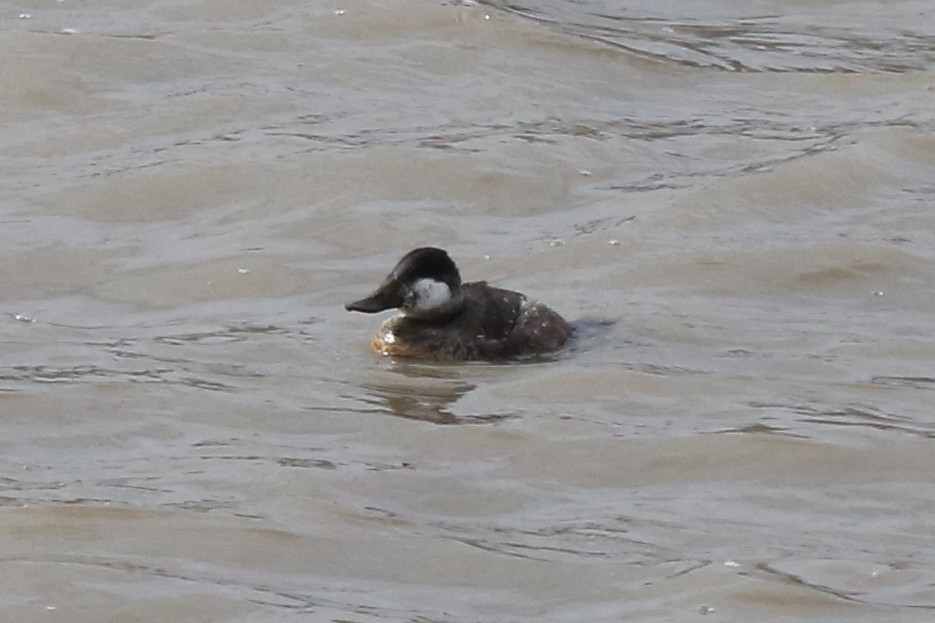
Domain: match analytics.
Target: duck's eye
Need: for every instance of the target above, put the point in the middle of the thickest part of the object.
(410, 297)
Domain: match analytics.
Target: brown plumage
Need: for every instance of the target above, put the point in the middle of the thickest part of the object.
(442, 319)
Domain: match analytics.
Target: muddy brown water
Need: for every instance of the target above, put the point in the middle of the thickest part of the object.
(733, 201)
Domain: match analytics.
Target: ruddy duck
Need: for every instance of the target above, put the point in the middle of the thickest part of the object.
(440, 318)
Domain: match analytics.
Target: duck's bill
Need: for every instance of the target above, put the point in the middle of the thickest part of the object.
(386, 297)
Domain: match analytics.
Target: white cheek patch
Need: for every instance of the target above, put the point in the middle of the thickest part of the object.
(430, 295)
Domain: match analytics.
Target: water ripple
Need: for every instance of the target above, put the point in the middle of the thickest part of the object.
(814, 43)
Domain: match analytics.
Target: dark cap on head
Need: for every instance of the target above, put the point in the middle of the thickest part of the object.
(427, 263)
(421, 263)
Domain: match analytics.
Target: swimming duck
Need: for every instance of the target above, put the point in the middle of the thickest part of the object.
(442, 319)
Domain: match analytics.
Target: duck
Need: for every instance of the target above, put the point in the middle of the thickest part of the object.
(442, 319)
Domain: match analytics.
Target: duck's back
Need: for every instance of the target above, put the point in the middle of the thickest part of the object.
(493, 324)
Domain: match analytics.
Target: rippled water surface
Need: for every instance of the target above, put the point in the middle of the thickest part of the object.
(732, 201)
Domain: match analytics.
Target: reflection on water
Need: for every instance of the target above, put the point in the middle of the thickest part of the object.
(424, 402)
(420, 391)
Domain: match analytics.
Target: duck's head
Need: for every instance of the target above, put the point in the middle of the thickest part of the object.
(425, 284)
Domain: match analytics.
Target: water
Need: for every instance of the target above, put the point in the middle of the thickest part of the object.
(732, 202)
